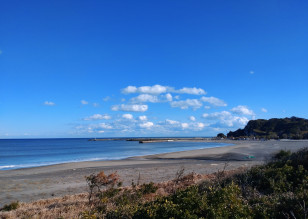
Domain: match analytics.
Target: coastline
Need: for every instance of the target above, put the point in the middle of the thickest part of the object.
(127, 148)
(30, 184)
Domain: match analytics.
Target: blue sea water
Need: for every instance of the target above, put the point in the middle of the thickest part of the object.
(23, 153)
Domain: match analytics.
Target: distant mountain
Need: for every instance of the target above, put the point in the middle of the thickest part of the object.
(287, 128)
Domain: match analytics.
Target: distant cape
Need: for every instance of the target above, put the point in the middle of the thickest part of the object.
(284, 128)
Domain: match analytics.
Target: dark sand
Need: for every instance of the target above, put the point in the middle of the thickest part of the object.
(57, 180)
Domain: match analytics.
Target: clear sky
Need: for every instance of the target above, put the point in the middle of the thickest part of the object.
(149, 68)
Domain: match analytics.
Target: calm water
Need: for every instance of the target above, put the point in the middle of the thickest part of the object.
(22, 153)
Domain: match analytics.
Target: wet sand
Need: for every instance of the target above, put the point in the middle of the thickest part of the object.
(31, 184)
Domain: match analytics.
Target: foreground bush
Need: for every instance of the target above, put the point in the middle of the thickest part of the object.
(278, 189)
(10, 207)
(275, 190)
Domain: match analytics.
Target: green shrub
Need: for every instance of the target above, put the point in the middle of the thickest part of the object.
(278, 189)
(111, 192)
(10, 207)
(282, 154)
(148, 188)
(226, 202)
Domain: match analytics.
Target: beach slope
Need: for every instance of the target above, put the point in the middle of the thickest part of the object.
(57, 180)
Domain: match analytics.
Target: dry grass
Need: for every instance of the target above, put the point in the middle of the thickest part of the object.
(64, 207)
(71, 206)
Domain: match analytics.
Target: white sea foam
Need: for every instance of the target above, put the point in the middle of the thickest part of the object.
(7, 167)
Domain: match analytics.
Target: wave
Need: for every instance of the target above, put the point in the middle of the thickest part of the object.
(20, 166)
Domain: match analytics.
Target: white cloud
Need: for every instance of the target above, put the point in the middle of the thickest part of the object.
(129, 90)
(171, 122)
(127, 116)
(94, 128)
(185, 104)
(98, 117)
(104, 126)
(169, 97)
(193, 90)
(184, 125)
(156, 89)
(90, 130)
(264, 110)
(146, 125)
(192, 118)
(142, 118)
(95, 104)
(84, 102)
(225, 118)
(242, 110)
(200, 125)
(219, 129)
(49, 103)
(251, 72)
(176, 126)
(130, 107)
(106, 98)
(142, 126)
(214, 101)
(145, 98)
(205, 115)
(159, 89)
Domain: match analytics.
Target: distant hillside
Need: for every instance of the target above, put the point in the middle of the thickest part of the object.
(287, 128)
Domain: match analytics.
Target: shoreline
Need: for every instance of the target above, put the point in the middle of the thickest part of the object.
(30, 184)
(27, 166)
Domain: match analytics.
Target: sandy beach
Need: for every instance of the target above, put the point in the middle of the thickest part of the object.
(31, 184)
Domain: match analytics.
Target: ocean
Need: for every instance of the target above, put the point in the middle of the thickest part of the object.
(23, 153)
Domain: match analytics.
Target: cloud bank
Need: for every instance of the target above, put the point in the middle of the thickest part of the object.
(200, 113)
(98, 117)
(130, 108)
(160, 89)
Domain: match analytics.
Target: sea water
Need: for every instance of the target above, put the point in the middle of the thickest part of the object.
(23, 153)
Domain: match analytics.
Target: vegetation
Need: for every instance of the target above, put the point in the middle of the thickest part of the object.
(278, 189)
(287, 128)
(96, 184)
(10, 207)
(221, 135)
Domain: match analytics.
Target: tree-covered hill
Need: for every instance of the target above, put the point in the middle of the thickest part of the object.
(287, 128)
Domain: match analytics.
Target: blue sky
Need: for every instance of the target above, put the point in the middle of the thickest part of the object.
(149, 68)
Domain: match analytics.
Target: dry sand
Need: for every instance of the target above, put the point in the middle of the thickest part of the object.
(57, 180)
